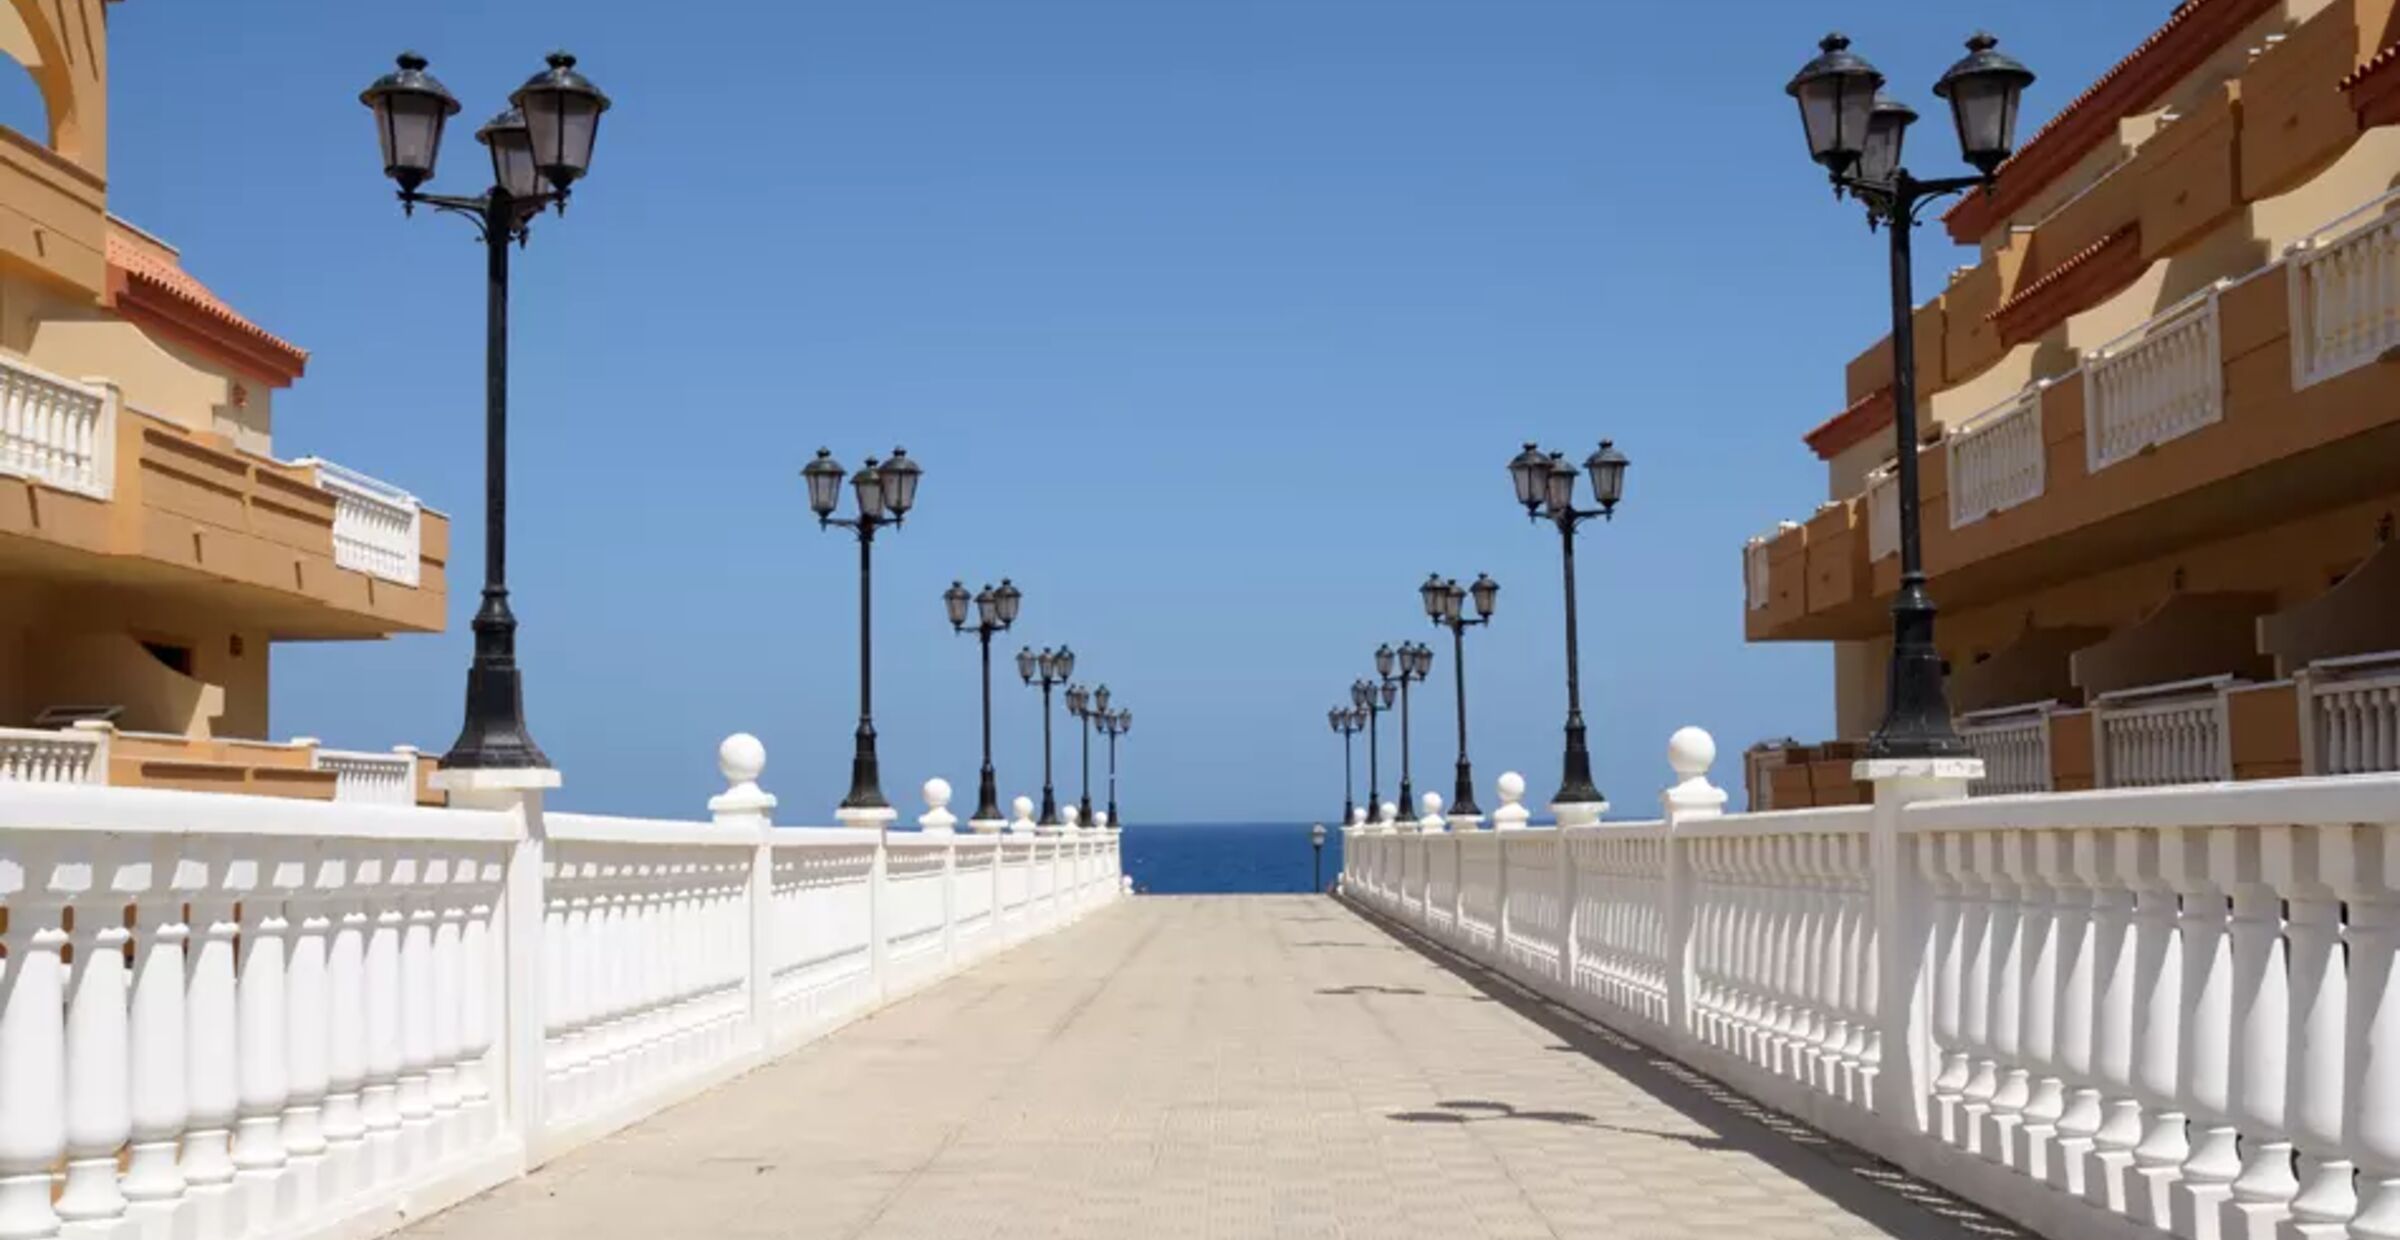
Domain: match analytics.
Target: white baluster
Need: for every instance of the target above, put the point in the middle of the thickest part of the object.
(209, 1069)
(346, 1023)
(159, 1098)
(2114, 867)
(2262, 1192)
(2371, 1038)
(2316, 866)
(2055, 900)
(2011, 895)
(2207, 1045)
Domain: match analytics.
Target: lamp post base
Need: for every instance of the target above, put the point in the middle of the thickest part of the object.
(1575, 784)
(1049, 816)
(1462, 794)
(876, 817)
(1578, 813)
(494, 736)
(866, 783)
(987, 798)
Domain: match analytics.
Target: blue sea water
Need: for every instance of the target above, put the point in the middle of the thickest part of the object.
(1208, 857)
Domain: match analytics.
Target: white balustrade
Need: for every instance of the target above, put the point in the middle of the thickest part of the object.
(1757, 589)
(2349, 715)
(2014, 743)
(2157, 383)
(2345, 293)
(66, 756)
(225, 1016)
(56, 431)
(370, 778)
(2163, 734)
(1997, 458)
(1883, 511)
(2116, 1013)
(378, 529)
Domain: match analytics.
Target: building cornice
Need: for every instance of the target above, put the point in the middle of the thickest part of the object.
(2190, 36)
(2077, 284)
(1852, 426)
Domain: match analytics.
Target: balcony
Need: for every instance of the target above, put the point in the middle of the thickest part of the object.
(309, 548)
(98, 754)
(2251, 404)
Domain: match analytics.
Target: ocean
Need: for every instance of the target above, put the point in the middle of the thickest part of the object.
(1225, 857)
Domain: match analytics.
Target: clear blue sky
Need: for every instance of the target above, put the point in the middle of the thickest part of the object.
(1213, 323)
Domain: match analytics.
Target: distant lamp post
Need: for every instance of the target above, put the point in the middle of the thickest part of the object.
(1404, 665)
(1046, 668)
(1114, 724)
(1855, 133)
(1086, 705)
(540, 147)
(886, 491)
(1546, 486)
(1372, 699)
(1445, 604)
(1316, 844)
(1346, 722)
(995, 610)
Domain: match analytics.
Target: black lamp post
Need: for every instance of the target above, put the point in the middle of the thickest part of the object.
(1855, 132)
(1346, 722)
(1086, 705)
(1046, 668)
(995, 610)
(1114, 724)
(886, 491)
(1316, 844)
(1445, 602)
(1372, 700)
(1546, 486)
(1404, 666)
(540, 147)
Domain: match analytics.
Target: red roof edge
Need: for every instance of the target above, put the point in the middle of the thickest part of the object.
(2082, 280)
(2190, 36)
(147, 284)
(2374, 88)
(1852, 426)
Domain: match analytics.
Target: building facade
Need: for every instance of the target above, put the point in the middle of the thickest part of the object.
(154, 548)
(2161, 413)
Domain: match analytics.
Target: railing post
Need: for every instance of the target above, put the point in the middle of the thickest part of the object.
(1903, 921)
(937, 820)
(746, 809)
(518, 926)
(1690, 752)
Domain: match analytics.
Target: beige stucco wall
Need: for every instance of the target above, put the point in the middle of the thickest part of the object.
(83, 646)
(156, 376)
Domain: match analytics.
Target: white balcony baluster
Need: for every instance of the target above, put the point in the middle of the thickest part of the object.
(2345, 293)
(1997, 459)
(377, 527)
(1883, 512)
(2157, 383)
(56, 431)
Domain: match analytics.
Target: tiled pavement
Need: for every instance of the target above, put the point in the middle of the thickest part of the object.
(1216, 1067)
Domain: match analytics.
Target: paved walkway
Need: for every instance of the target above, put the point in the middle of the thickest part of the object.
(1217, 1067)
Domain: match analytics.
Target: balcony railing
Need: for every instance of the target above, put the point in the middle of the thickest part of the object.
(2155, 384)
(2350, 715)
(377, 527)
(40, 756)
(1757, 593)
(371, 778)
(2164, 734)
(1883, 512)
(57, 432)
(2014, 743)
(1996, 459)
(2345, 290)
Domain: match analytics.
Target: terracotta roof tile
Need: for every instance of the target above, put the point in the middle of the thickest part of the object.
(155, 265)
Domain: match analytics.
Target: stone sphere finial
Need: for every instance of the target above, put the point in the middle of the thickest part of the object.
(1389, 812)
(1071, 816)
(1691, 751)
(1431, 803)
(1512, 787)
(1358, 815)
(937, 793)
(1022, 807)
(741, 759)
(1100, 819)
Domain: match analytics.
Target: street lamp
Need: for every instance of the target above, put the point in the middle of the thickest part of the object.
(1316, 844)
(1855, 133)
(1346, 722)
(1405, 665)
(1445, 604)
(1545, 484)
(995, 610)
(1372, 700)
(1046, 668)
(540, 147)
(885, 490)
(1114, 724)
(1086, 705)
